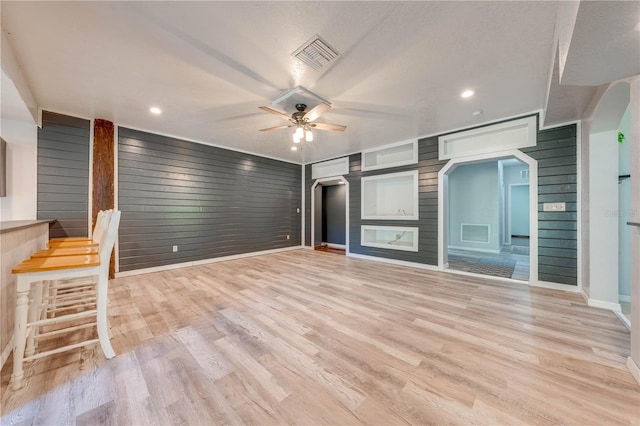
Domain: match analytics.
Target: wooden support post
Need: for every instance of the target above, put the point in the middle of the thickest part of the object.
(103, 195)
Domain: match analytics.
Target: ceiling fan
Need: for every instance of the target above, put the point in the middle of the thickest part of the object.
(302, 120)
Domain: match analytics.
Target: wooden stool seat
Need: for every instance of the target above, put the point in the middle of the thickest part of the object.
(67, 251)
(54, 263)
(70, 239)
(73, 244)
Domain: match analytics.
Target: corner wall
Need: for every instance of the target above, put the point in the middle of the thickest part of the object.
(21, 162)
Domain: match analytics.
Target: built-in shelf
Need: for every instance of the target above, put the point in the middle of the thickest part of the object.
(393, 155)
(392, 196)
(390, 237)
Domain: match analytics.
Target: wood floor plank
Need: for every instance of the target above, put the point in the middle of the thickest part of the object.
(314, 338)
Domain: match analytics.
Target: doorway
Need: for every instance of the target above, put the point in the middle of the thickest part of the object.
(329, 215)
(487, 215)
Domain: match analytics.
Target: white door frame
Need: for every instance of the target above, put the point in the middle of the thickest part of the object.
(443, 204)
(511, 185)
(346, 212)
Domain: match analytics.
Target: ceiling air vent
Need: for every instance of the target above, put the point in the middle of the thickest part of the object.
(316, 53)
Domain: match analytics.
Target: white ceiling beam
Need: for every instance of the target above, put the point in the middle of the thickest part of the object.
(11, 68)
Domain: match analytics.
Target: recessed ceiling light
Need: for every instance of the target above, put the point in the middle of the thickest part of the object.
(155, 110)
(294, 148)
(467, 93)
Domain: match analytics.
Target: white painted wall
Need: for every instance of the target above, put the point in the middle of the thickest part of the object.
(624, 208)
(474, 199)
(18, 128)
(502, 205)
(22, 156)
(603, 226)
(584, 260)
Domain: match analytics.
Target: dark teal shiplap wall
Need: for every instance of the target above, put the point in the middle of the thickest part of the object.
(428, 167)
(209, 201)
(557, 181)
(63, 174)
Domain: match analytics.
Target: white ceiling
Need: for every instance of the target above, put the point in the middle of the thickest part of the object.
(210, 65)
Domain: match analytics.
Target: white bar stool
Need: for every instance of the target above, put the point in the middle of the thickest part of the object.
(30, 275)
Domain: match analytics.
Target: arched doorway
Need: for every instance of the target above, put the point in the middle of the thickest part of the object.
(325, 224)
(444, 205)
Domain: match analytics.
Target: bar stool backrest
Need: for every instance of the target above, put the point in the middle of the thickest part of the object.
(108, 240)
(102, 222)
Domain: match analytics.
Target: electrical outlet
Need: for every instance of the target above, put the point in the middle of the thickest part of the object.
(554, 207)
(288, 237)
(175, 249)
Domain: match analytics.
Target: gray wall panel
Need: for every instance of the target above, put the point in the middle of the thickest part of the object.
(63, 173)
(208, 201)
(428, 167)
(557, 177)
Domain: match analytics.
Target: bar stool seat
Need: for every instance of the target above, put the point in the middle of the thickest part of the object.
(67, 251)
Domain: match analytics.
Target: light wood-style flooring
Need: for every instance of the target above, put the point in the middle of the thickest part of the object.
(312, 338)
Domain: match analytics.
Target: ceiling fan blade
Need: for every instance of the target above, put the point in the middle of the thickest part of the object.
(275, 128)
(316, 111)
(274, 112)
(328, 126)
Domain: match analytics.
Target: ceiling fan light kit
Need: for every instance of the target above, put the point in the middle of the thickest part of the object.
(302, 119)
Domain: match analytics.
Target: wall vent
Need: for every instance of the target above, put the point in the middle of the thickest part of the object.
(474, 233)
(316, 53)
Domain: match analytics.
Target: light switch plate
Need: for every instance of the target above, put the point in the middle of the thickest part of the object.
(554, 207)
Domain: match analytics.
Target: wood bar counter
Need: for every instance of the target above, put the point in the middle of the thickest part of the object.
(19, 239)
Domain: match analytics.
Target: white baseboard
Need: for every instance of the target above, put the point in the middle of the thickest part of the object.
(394, 261)
(624, 298)
(481, 250)
(635, 370)
(202, 262)
(615, 307)
(487, 277)
(556, 286)
(624, 319)
(6, 351)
